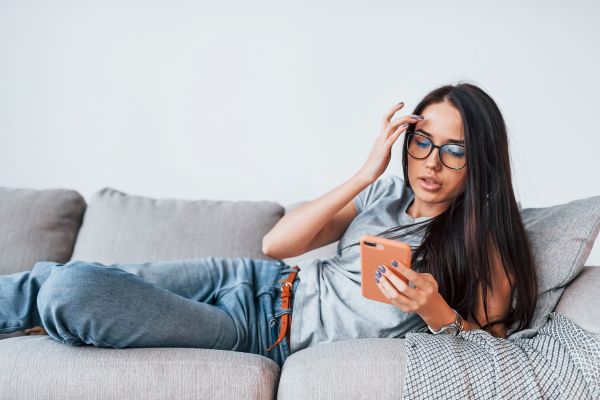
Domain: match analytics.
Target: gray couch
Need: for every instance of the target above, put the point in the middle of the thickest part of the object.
(59, 225)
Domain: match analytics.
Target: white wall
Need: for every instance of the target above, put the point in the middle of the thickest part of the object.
(279, 100)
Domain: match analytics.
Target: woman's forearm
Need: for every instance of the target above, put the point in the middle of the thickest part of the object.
(296, 229)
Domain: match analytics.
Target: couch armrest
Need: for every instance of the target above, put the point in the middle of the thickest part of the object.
(580, 301)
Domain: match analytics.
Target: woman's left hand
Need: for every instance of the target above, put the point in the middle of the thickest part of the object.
(424, 299)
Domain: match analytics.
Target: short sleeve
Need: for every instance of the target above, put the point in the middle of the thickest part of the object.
(383, 186)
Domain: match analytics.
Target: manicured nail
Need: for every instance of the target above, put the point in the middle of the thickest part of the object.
(377, 280)
(401, 103)
(394, 263)
(381, 268)
(378, 274)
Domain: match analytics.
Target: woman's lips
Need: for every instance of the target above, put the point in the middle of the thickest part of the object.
(428, 185)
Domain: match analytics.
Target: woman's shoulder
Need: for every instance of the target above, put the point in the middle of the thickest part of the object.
(397, 181)
(387, 186)
(390, 185)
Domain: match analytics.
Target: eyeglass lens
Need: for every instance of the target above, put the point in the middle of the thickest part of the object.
(452, 155)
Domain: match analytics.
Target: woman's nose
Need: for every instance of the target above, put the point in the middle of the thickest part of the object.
(433, 160)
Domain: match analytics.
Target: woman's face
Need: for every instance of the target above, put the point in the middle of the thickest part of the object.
(443, 124)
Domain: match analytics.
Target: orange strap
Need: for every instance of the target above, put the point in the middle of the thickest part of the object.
(286, 293)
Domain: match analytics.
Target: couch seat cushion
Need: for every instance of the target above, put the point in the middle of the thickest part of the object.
(345, 369)
(42, 368)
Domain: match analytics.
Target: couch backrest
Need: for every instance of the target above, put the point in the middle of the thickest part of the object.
(37, 225)
(123, 228)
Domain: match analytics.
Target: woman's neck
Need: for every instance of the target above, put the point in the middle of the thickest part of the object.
(418, 209)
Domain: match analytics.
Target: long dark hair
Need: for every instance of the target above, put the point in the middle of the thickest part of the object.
(483, 220)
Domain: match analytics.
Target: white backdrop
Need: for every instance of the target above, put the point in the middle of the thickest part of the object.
(281, 100)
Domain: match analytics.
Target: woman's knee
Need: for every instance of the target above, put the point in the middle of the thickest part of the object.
(70, 281)
(65, 298)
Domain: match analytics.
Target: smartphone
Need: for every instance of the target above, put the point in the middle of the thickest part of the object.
(375, 251)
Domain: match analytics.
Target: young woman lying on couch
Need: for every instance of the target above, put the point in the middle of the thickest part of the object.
(472, 265)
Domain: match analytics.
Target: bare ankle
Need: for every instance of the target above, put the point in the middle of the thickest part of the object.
(36, 330)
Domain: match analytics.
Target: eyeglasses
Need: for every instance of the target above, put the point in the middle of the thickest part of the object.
(452, 155)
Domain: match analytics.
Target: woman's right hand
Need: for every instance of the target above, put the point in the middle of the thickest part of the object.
(381, 153)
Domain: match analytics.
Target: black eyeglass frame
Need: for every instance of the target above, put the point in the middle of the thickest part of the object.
(416, 133)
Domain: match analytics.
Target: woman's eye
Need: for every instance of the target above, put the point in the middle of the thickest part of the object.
(456, 151)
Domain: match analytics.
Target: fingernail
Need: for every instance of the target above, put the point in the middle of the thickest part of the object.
(394, 263)
(377, 280)
(378, 274)
(381, 268)
(401, 103)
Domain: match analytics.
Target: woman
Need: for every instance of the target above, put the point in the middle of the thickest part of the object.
(472, 265)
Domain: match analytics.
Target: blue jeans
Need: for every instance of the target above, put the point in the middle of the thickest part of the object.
(212, 303)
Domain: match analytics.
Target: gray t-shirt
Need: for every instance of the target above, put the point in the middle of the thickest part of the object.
(328, 303)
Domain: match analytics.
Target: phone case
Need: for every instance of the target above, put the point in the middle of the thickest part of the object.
(375, 251)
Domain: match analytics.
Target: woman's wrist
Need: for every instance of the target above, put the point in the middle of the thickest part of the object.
(363, 179)
(443, 315)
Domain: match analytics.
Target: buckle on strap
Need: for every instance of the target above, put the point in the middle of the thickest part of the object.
(286, 319)
(288, 284)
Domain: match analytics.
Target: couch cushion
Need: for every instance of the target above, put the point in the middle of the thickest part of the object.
(345, 369)
(562, 238)
(37, 225)
(41, 367)
(122, 228)
(580, 301)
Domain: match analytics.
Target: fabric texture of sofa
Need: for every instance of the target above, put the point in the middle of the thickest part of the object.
(58, 225)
